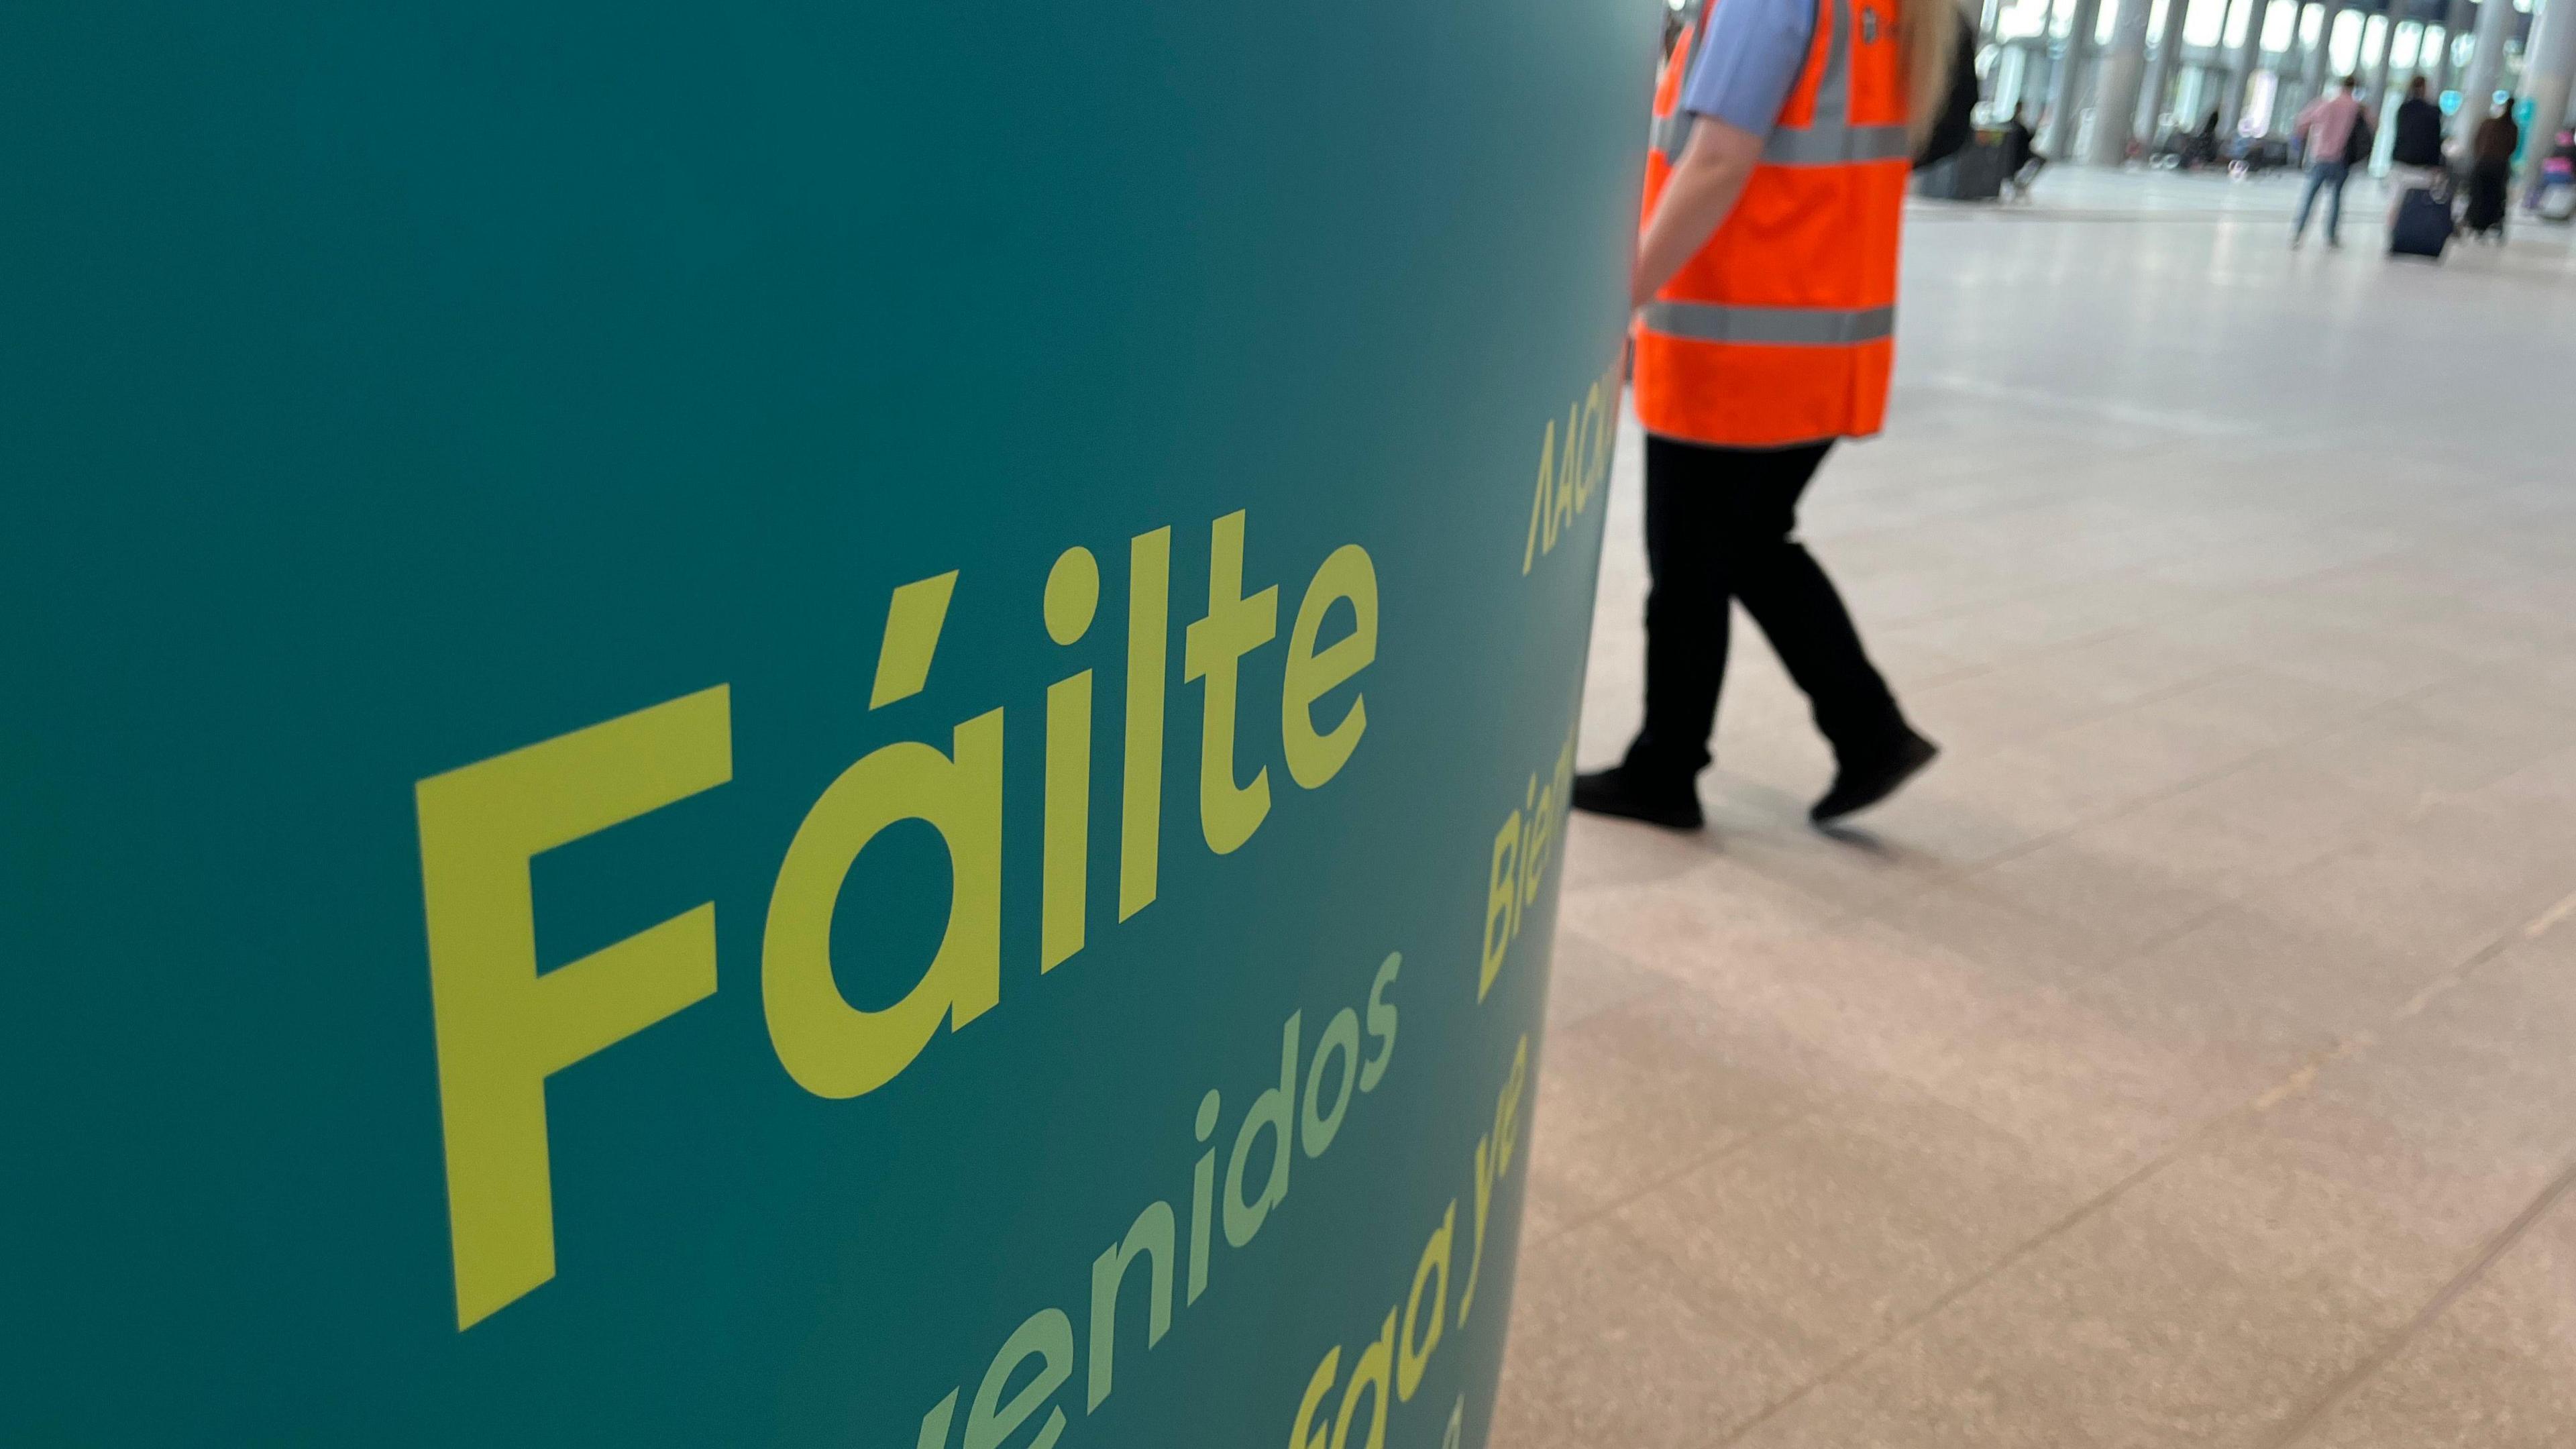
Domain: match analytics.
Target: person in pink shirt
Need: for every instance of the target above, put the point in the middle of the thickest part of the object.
(2336, 136)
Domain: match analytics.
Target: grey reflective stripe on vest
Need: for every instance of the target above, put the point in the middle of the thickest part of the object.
(1833, 88)
(1815, 326)
(1833, 145)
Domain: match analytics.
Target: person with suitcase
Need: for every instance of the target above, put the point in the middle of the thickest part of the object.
(2422, 226)
(2415, 147)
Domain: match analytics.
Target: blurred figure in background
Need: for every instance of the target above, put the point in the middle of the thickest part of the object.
(2204, 142)
(2490, 169)
(1765, 334)
(2022, 161)
(2415, 145)
(2553, 196)
(2328, 127)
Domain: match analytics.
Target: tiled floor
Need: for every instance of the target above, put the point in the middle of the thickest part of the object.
(2190, 1057)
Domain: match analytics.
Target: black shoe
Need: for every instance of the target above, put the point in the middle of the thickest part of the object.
(1861, 784)
(1621, 792)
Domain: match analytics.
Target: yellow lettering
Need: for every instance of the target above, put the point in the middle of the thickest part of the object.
(1306, 1433)
(1595, 425)
(1072, 594)
(1317, 1129)
(1370, 1373)
(502, 1028)
(1507, 1109)
(1140, 820)
(1212, 649)
(1484, 1202)
(1381, 1021)
(1151, 1235)
(1539, 501)
(934, 1425)
(1502, 894)
(831, 1048)
(1048, 1337)
(1273, 1109)
(1315, 758)
(1569, 476)
(1535, 849)
(913, 619)
(1416, 1347)
(1202, 1195)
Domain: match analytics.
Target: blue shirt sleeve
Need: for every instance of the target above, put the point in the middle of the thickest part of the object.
(1742, 69)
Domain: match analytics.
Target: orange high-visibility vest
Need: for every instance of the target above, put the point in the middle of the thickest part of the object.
(1780, 329)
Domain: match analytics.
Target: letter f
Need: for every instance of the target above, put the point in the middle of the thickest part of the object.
(502, 1028)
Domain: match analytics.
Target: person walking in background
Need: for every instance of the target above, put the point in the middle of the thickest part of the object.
(2415, 148)
(2553, 195)
(2022, 161)
(1765, 288)
(2204, 142)
(2327, 126)
(2417, 142)
(2491, 151)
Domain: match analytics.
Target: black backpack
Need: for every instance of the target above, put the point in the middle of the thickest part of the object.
(2356, 146)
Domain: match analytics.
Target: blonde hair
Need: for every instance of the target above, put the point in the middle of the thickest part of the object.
(1927, 45)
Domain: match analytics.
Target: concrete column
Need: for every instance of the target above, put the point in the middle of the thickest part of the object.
(2375, 67)
(2486, 63)
(2302, 65)
(2166, 65)
(2321, 58)
(2124, 70)
(2249, 61)
(2548, 75)
(2066, 86)
(2290, 89)
(2455, 23)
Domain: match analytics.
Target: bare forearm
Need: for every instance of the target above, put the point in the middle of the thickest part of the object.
(1705, 184)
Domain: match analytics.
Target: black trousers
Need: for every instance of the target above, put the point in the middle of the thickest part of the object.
(1721, 525)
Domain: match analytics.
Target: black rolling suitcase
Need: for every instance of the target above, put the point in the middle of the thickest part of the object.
(2423, 223)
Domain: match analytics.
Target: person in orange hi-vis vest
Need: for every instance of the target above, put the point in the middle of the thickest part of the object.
(1765, 290)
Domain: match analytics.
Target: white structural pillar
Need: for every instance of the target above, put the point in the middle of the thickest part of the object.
(2455, 23)
(2377, 67)
(2249, 61)
(2290, 77)
(2321, 59)
(2167, 63)
(2066, 85)
(2548, 75)
(2486, 62)
(2123, 71)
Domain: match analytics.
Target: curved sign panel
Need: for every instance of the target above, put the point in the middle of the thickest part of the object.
(789, 723)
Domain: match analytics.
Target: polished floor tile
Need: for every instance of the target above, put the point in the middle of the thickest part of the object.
(2189, 1057)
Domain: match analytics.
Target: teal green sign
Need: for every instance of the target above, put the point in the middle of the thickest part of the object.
(789, 723)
